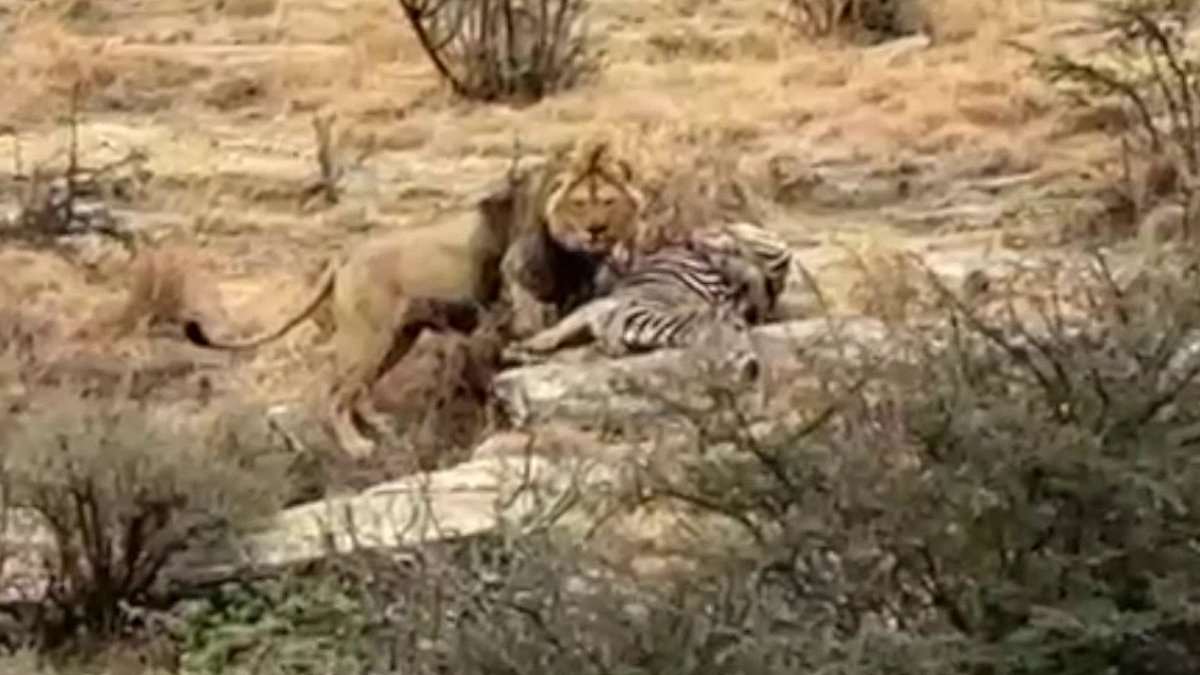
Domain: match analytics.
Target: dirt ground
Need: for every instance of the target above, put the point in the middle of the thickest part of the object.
(953, 149)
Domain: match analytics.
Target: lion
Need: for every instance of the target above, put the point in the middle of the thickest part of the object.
(167, 287)
(576, 218)
(542, 234)
(381, 295)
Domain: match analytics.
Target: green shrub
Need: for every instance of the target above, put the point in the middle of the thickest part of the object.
(1017, 495)
(290, 625)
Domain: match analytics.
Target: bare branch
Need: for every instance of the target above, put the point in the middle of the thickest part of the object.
(500, 50)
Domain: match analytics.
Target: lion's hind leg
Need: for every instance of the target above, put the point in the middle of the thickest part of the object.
(363, 349)
(414, 317)
(345, 402)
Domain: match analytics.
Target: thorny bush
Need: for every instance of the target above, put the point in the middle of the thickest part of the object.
(56, 202)
(869, 20)
(503, 50)
(1149, 72)
(120, 492)
(1013, 495)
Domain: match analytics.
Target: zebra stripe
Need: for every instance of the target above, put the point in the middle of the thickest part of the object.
(663, 289)
(680, 266)
(763, 247)
(644, 327)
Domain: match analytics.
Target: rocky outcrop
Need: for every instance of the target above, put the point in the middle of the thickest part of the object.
(469, 499)
(645, 388)
(550, 471)
(547, 472)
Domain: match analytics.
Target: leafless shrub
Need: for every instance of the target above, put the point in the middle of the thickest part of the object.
(119, 493)
(821, 17)
(500, 50)
(54, 203)
(857, 19)
(1148, 69)
(329, 167)
(489, 604)
(1034, 451)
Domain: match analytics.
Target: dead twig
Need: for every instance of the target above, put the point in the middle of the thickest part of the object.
(329, 167)
(1147, 70)
(54, 204)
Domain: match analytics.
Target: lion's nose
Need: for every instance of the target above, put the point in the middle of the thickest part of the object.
(595, 229)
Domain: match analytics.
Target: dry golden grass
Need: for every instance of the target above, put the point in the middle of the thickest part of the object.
(41, 65)
(885, 285)
(224, 112)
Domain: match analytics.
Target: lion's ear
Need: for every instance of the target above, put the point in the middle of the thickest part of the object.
(498, 193)
(495, 208)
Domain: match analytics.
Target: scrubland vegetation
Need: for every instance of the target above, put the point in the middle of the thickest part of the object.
(1007, 483)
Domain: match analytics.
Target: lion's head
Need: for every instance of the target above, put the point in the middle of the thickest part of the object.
(560, 222)
(590, 203)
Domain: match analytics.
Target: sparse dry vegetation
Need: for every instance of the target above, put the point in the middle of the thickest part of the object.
(71, 200)
(1146, 72)
(1004, 485)
(493, 50)
(121, 492)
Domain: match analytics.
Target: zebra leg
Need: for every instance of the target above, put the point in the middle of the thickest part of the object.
(749, 290)
(724, 344)
(580, 324)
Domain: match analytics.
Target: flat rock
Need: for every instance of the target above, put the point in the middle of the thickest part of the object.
(630, 391)
(472, 498)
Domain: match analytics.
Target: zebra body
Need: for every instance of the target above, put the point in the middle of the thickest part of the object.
(673, 298)
(706, 291)
(677, 297)
(759, 245)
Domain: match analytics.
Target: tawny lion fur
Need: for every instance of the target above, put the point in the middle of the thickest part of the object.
(166, 285)
(527, 239)
(573, 214)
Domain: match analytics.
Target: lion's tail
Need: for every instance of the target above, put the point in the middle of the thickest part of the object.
(196, 335)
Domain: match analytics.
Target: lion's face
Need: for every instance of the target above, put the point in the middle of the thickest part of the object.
(593, 211)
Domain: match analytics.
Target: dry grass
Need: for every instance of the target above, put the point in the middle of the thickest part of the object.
(223, 101)
(887, 287)
(42, 62)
